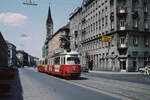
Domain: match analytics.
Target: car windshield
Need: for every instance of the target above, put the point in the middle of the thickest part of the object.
(73, 60)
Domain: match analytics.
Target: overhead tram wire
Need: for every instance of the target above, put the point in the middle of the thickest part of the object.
(29, 3)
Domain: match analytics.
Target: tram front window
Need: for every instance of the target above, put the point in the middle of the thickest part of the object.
(73, 60)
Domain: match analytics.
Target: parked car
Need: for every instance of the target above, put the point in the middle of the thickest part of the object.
(6, 74)
(84, 69)
(145, 69)
(4, 86)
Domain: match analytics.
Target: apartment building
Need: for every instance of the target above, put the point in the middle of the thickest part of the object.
(75, 29)
(12, 59)
(54, 44)
(127, 23)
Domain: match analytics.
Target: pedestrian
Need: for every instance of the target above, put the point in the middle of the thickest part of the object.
(147, 71)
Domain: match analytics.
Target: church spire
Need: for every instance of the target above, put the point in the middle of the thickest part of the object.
(49, 17)
(49, 23)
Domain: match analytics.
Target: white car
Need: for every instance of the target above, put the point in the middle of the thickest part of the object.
(145, 70)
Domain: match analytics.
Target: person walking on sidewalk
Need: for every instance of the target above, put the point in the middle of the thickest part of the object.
(147, 71)
(91, 64)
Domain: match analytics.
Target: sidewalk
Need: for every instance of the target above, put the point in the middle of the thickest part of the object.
(109, 72)
(130, 90)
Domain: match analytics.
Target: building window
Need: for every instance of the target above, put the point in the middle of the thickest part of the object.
(135, 4)
(135, 40)
(145, 8)
(106, 20)
(145, 24)
(146, 42)
(112, 41)
(135, 22)
(135, 53)
(111, 2)
(122, 40)
(146, 53)
(112, 24)
(122, 23)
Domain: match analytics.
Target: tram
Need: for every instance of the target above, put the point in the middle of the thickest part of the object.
(40, 65)
(66, 64)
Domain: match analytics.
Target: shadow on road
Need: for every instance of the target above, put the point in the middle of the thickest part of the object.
(16, 91)
(80, 78)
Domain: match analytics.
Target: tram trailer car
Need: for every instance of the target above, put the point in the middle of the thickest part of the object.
(40, 66)
(66, 64)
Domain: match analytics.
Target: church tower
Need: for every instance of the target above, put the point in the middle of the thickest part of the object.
(49, 24)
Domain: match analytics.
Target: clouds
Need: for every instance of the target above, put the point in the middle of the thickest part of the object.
(25, 37)
(13, 19)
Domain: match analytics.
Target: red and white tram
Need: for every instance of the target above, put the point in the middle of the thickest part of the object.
(40, 65)
(66, 64)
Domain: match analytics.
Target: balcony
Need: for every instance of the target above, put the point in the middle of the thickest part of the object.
(122, 46)
(122, 28)
(83, 20)
(83, 31)
(121, 12)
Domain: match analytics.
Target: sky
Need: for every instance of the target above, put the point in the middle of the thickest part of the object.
(25, 26)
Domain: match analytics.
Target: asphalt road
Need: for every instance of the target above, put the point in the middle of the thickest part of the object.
(57, 89)
(134, 78)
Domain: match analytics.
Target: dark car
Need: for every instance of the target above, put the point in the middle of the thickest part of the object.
(6, 74)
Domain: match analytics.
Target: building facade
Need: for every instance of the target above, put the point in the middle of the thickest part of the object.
(32, 61)
(22, 58)
(54, 44)
(75, 29)
(3, 52)
(44, 51)
(127, 23)
(12, 59)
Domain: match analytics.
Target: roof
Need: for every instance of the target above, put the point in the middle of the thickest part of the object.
(75, 12)
(2, 40)
(8, 43)
(66, 27)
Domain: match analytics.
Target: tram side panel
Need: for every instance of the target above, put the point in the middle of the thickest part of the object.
(71, 70)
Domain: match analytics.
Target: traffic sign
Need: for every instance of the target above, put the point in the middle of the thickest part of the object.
(105, 38)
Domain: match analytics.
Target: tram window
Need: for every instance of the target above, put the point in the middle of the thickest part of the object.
(45, 62)
(48, 61)
(73, 60)
(57, 60)
(61, 60)
(64, 60)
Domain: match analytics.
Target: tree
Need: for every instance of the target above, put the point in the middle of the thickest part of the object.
(65, 42)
